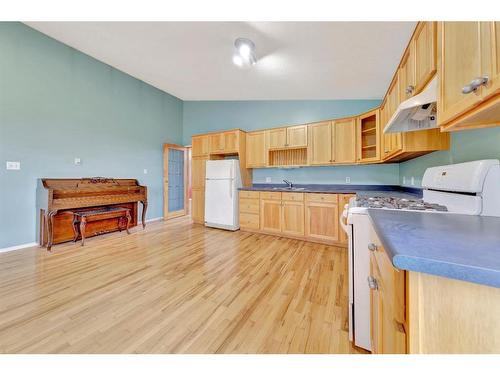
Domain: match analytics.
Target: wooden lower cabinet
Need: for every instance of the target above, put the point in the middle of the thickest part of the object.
(198, 205)
(308, 216)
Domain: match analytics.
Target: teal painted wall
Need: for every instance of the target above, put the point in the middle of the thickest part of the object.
(465, 146)
(203, 116)
(57, 104)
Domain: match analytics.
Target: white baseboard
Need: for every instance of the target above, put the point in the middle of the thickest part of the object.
(31, 244)
(18, 247)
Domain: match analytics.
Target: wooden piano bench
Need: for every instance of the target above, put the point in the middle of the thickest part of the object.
(81, 218)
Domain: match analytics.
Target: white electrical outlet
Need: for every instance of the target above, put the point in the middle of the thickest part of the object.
(13, 165)
(145, 171)
(348, 180)
(268, 180)
(412, 180)
(78, 161)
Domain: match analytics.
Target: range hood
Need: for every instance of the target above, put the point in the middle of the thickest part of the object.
(416, 113)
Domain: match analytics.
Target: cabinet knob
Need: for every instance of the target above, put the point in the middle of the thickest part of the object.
(409, 90)
(372, 247)
(475, 84)
(372, 283)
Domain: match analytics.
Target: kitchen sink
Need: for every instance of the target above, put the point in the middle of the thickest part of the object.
(289, 189)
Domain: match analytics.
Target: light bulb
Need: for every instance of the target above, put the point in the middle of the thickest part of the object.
(245, 51)
(237, 60)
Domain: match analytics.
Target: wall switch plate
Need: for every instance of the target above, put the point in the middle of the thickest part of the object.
(348, 180)
(268, 180)
(13, 165)
(145, 171)
(412, 180)
(78, 161)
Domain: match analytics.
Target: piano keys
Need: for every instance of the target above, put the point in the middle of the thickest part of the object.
(57, 198)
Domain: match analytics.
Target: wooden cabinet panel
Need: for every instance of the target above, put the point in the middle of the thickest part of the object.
(270, 215)
(276, 138)
(460, 62)
(198, 169)
(293, 218)
(297, 197)
(250, 206)
(198, 205)
(344, 140)
(368, 139)
(320, 143)
(387, 297)
(322, 197)
(216, 143)
(424, 43)
(490, 57)
(249, 194)
(296, 136)
(406, 74)
(322, 221)
(230, 141)
(256, 151)
(270, 195)
(249, 221)
(200, 146)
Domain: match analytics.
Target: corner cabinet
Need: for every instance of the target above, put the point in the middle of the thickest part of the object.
(368, 137)
(469, 71)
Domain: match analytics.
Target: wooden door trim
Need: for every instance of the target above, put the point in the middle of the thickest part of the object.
(170, 215)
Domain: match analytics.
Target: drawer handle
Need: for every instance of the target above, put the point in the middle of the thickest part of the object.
(372, 283)
(372, 247)
(475, 84)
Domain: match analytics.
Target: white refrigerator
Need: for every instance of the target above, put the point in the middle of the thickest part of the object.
(222, 181)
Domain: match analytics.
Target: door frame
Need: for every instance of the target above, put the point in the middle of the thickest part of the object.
(170, 215)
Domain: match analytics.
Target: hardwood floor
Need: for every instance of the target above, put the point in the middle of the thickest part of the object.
(176, 287)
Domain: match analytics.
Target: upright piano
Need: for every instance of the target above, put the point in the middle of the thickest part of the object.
(57, 198)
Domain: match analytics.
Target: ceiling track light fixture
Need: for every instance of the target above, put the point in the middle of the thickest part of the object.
(244, 52)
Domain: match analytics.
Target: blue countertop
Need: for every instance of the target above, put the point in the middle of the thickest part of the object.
(372, 190)
(461, 247)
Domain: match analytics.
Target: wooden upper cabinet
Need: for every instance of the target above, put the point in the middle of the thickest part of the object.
(368, 139)
(425, 46)
(320, 143)
(296, 136)
(344, 140)
(460, 63)
(256, 150)
(216, 143)
(200, 145)
(493, 30)
(406, 74)
(231, 141)
(276, 138)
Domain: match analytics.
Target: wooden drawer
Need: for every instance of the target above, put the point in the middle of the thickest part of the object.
(320, 197)
(249, 194)
(250, 221)
(250, 206)
(270, 195)
(298, 197)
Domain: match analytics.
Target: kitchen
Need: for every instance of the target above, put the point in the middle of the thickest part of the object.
(251, 188)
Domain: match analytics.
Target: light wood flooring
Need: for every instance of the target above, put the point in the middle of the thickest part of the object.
(175, 287)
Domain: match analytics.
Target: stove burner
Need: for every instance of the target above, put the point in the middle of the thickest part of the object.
(398, 204)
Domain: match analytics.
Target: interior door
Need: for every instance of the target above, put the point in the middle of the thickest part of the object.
(174, 181)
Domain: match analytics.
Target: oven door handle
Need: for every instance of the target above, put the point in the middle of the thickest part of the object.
(343, 221)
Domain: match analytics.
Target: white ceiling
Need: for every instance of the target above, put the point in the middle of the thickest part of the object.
(297, 60)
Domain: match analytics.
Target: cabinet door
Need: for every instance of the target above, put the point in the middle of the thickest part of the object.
(322, 221)
(216, 142)
(198, 205)
(376, 311)
(198, 168)
(320, 143)
(296, 136)
(200, 146)
(490, 57)
(276, 138)
(293, 218)
(256, 149)
(270, 215)
(344, 141)
(230, 141)
(460, 62)
(424, 42)
(406, 74)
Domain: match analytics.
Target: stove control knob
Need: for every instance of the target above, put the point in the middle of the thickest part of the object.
(372, 247)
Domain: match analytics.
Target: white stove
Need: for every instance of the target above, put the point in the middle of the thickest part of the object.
(471, 188)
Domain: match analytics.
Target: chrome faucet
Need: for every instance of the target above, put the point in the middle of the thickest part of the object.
(290, 185)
